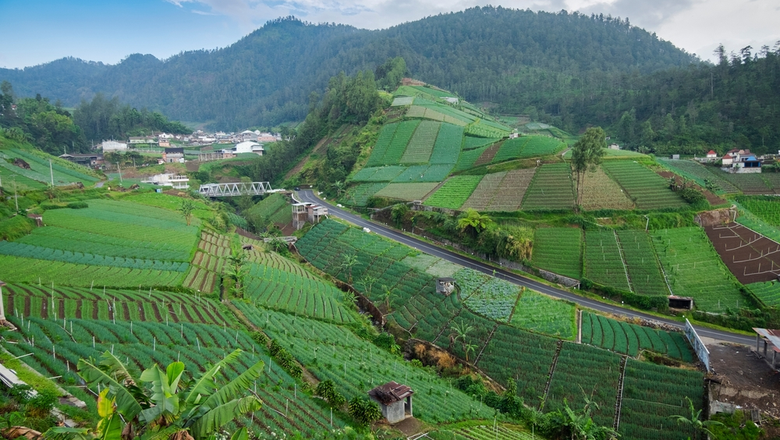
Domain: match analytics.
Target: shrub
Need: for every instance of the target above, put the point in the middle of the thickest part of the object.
(364, 411)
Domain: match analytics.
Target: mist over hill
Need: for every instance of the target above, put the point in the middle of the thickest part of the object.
(504, 56)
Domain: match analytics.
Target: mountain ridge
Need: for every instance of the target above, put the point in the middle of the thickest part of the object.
(266, 77)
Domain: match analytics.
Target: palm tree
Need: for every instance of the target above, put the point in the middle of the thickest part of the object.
(156, 405)
(694, 421)
(462, 331)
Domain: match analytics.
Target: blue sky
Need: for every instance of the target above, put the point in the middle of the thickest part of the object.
(38, 31)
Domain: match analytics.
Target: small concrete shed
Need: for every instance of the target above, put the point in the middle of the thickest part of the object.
(394, 399)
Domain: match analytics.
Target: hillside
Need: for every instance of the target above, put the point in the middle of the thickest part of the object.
(481, 53)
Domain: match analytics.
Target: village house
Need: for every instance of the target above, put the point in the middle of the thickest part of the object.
(395, 400)
(740, 161)
(173, 155)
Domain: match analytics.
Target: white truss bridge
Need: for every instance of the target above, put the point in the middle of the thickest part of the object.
(236, 189)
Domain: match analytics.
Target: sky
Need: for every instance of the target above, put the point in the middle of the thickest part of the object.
(34, 32)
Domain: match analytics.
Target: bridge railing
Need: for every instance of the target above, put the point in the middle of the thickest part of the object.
(235, 189)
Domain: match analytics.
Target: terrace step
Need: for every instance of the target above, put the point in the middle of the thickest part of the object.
(446, 326)
(619, 400)
(550, 375)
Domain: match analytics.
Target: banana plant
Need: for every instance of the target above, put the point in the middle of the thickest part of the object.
(156, 405)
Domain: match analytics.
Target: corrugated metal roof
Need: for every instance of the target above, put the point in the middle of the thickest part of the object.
(390, 392)
(773, 336)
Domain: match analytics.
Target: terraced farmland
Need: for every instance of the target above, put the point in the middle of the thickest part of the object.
(630, 339)
(699, 173)
(447, 146)
(768, 292)
(31, 300)
(651, 395)
(39, 174)
(454, 192)
(646, 188)
(359, 194)
(407, 191)
(600, 384)
(543, 314)
(601, 192)
(751, 183)
(297, 293)
(502, 350)
(550, 189)
(421, 144)
(643, 267)
(141, 344)
(484, 193)
(356, 365)
(509, 195)
(764, 207)
(558, 250)
(603, 260)
(694, 269)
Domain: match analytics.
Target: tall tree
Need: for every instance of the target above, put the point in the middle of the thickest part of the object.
(586, 154)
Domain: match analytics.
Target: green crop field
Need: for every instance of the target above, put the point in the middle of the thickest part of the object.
(699, 173)
(471, 143)
(454, 192)
(285, 411)
(601, 192)
(695, 269)
(509, 195)
(421, 144)
(171, 203)
(494, 299)
(645, 188)
(651, 395)
(63, 172)
(356, 366)
(484, 193)
(467, 158)
(501, 350)
(358, 195)
(630, 339)
(558, 250)
(543, 314)
(378, 174)
(750, 183)
(424, 173)
(510, 149)
(550, 189)
(599, 384)
(768, 292)
(754, 222)
(407, 191)
(403, 134)
(481, 432)
(643, 268)
(765, 208)
(382, 144)
(603, 260)
(275, 208)
(294, 292)
(447, 146)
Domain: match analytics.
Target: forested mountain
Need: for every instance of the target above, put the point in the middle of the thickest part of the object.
(484, 54)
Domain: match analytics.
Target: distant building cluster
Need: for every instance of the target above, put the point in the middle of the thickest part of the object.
(244, 142)
(740, 161)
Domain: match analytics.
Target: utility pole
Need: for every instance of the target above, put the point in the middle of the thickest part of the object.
(16, 197)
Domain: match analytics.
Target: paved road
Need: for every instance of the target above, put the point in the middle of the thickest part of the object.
(308, 196)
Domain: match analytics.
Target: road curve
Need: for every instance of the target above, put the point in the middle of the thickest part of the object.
(308, 196)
